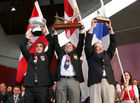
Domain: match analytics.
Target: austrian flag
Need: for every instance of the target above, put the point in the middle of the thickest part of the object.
(70, 13)
(22, 65)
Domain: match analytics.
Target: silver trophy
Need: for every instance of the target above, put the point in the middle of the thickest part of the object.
(37, 25)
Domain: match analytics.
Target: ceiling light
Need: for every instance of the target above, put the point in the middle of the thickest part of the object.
(13, 9)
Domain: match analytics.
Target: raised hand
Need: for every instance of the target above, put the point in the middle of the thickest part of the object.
(55, 31)
(82, 29)
(29, 34)
(108, 24)
(94, 21)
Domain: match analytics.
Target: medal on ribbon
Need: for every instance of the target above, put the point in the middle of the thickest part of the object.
(42, 58)
(75, 56)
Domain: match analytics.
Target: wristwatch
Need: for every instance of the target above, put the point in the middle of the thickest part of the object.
(110, 28)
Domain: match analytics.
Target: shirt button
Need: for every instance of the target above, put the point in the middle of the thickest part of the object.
(35, 67)
(103, 66)
(103, 60)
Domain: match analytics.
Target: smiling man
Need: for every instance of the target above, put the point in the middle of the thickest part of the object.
(16, 97)
(100, 75)
(38, 77)
(68, 72)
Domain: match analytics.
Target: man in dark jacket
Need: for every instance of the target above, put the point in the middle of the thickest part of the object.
(3, 93)
(9, 91)
(38, 77)
(16, 97)
(68, 72)
(100, 75)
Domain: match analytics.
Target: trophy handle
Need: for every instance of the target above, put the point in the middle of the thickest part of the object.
(67, 26)
(102, 19)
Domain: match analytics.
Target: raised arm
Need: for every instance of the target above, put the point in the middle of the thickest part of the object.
(80, 44)
(113, 44)
(88, 45)
(51, 45)
(23, 47)
(57, 46)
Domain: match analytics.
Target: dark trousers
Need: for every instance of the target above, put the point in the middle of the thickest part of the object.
(36, 95)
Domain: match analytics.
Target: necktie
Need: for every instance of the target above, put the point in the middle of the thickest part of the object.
(67, 62)
(15, 99)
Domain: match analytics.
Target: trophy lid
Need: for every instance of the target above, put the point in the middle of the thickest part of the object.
(37, 20)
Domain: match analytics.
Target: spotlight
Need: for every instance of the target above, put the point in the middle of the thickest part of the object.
(13, 9)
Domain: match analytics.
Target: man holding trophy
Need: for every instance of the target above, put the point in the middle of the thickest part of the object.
(38, 77)
(68, 72)
(101, 79)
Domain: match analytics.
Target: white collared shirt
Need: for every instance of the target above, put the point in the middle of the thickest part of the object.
(104, 73)
(69, 72)
(22, 94)
(15, 96)
(136, 93)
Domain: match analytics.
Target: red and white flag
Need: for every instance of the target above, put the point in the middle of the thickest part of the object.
(70, 12)
(71, 9)
(22, 65)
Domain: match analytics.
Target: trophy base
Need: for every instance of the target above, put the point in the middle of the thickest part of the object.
(67, 26)
(37, 33)
(102, 19)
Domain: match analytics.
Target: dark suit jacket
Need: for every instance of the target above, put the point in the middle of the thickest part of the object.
(75, 58)
(52, 94)
(97, 64)
(3, 97)
(9, 94)
(11, 99)
(43, 72)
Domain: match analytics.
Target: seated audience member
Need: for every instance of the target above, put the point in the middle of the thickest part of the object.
(124, 86)
(9, 91)
(16, 97)
(3, 93)
(22, 90)
(136, 82)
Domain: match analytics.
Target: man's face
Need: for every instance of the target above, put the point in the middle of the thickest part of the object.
(2, 87)
(98, 48)
(16, 91)
(135, 82)
(9, 89)
(68, 47)
(22, 88)
(39, 48)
